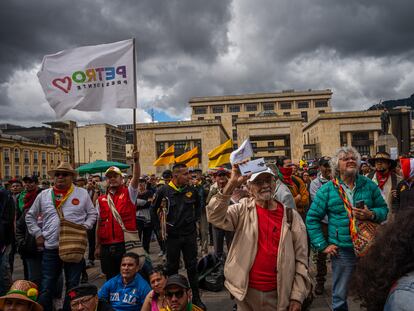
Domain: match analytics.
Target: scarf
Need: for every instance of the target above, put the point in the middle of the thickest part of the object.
(178, 189)
(287, 175)
(29, 199)
(58, 203)
(382, 178)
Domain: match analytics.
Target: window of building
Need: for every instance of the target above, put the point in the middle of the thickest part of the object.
(286, 114)
(321, 111)
(358, 136)
(200, 118)
(235, 146)
(254, 145)
(304, 115)
(160, 148)
(321, 103)
(268, 106)
(52, 158)
(26, 171)
(200, 110)
(233, 119)
(218, 109)
(35, 157)
(251, 107)
(234, 108)
(286, 105)
(36, 170)
(217, 118)
(44, 172)
(252, 115)
(271, 145)
(26, 156)
(7, 172)
(17, 171)
(6, 155)
(303, 105)
(234, 134)
(43, 157)
(66, 157)
(16, 155)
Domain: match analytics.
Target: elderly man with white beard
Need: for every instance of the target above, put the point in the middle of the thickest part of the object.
(267, 265)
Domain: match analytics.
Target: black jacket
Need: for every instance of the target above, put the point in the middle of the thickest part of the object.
(26, 243)
(405, 197)
(183, 209)
(7, 214)
(104, 306)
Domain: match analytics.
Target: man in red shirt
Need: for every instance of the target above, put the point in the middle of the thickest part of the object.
(110, 244)
(267, 265)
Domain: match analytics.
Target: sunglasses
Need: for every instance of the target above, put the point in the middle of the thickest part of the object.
(58, 174)
(178, 294)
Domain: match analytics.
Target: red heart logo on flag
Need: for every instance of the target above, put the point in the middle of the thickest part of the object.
(63, 84)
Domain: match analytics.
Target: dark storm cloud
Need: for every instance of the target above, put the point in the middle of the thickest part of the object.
(361, 49)
(31, 29)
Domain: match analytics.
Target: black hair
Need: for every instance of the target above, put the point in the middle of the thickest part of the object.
(131, 255)
(389, 258)
(178, 166)
(158, 269)
(280, 160)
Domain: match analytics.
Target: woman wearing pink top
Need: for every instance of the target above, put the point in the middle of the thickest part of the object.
(155, 300)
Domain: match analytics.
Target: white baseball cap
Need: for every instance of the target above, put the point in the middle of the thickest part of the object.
(255, 175)
(113, 169)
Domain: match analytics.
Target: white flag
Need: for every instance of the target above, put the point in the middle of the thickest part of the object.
(90, 78)
(244, 152)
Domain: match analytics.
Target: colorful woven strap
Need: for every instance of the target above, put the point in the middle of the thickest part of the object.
(348, 207)
(58, 207)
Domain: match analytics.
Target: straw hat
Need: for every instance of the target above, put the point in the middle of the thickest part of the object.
(64, 167)
(385, 157)
(24, 291)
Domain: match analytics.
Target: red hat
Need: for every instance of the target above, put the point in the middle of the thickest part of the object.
(407, 167)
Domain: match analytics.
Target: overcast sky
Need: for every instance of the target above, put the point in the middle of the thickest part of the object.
(361, 49)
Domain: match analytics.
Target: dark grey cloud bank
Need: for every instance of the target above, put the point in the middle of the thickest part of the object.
(363, 50)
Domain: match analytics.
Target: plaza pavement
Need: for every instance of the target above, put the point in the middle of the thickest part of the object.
(214, 301)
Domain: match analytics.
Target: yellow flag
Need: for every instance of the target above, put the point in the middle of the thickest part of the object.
(220, 155)
(166, 157)
(190, 158)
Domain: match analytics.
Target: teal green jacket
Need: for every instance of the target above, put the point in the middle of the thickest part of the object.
(328, 202)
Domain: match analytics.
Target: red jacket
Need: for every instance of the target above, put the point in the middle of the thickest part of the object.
(109, 230)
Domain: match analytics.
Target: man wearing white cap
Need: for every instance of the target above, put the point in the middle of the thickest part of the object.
(110, 243)
(267, 265)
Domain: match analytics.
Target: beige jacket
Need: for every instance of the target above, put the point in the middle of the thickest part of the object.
(293, 281)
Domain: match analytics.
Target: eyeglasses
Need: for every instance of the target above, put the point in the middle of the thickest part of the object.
(179, 294)
(82, 302)
(347, 159)
(61, 174)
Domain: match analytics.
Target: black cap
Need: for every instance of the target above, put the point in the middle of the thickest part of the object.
(167, 174)
(82, 291)
(179, 280)
(324, 160)
(30, 179)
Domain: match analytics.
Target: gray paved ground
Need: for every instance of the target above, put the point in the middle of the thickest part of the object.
(214, 301)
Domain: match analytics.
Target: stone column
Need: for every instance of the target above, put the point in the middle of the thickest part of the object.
(375, 140)
(349, 139)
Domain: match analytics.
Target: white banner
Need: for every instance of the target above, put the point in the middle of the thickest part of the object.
(244, 152)
(90, 78)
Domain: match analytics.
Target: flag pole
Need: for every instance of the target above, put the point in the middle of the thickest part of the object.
(134, 110)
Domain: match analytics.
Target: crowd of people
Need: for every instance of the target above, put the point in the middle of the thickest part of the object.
(262, 229)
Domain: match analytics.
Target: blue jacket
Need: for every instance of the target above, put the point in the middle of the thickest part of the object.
(328, 202)
(401, 296)
(125, 297)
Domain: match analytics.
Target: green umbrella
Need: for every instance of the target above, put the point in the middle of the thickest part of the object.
(99, 166)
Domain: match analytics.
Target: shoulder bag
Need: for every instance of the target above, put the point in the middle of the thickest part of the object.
(132, 242)
(72, 237)
(362, 231)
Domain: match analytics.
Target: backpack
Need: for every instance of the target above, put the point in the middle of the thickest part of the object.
(306, 304)
(211, 274)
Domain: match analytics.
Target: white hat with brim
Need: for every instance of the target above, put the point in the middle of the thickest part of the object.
(255, 175)
(63, 167)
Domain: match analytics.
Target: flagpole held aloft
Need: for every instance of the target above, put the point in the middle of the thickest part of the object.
(134, 111)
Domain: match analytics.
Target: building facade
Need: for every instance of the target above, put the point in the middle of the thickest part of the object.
(227, 109)
(327, 132)
(154, 138)
(20, 156)
(272, 136)
(99, 142)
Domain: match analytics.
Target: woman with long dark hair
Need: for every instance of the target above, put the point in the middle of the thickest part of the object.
(384, 278)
